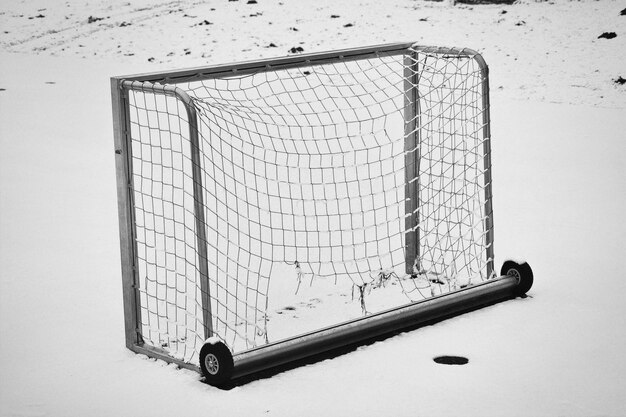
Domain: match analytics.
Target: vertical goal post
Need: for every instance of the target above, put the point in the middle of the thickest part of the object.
(363, 171)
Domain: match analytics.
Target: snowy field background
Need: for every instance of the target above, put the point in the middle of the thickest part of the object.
(559, 171)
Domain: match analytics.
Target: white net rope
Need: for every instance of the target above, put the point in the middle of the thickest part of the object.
(328, 172)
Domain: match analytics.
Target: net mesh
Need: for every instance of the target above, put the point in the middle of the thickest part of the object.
(366, 174)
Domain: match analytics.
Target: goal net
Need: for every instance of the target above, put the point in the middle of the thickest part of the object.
(267, 200)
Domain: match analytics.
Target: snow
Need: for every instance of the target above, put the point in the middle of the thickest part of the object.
(213, 340)
(559, 182)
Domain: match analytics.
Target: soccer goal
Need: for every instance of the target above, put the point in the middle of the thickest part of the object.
(273, 209)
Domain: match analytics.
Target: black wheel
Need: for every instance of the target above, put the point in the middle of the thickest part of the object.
(216, 363)
(522, 272)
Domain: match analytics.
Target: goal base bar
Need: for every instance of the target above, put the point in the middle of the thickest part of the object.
(372, 326)
(360, 330)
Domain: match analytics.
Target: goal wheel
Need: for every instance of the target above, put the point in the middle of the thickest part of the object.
(522, 272)
(216, 363)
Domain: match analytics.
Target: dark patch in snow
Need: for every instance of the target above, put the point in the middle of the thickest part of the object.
(151, 59)
(608, 35)
(623, 12)
(334, 16)
(204, 23)
(348, 25)
(620, 80)
(294, 29)
(306, 72)
(124, 24)
(290, 308)
(503, 12)
(188, 15)
(296, 49)
(271, 45)
(256, 14)
(39, 16)
(50, 82)
(251, 2)
(93, 19)
(451, 360)
(520, 23)
(478, 2)
(424, 19)
(3, 89)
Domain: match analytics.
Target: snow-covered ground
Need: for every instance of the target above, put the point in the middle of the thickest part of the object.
(559, 197)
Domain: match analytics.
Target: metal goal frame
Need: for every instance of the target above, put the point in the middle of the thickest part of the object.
(410, 315)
